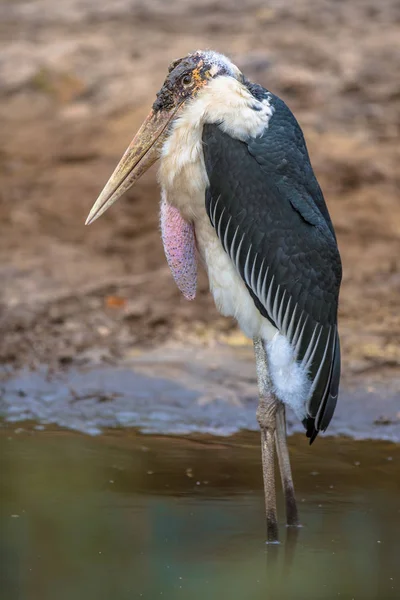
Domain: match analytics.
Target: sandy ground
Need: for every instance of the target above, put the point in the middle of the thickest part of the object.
(76, 79)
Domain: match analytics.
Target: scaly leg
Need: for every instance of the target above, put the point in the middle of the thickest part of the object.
(292, 517)
(266, 416)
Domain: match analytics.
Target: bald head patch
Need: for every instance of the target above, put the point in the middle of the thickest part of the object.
(187, 75)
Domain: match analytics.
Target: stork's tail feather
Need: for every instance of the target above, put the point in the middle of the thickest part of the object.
(320, 422)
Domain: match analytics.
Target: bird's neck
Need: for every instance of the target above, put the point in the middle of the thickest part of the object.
(226, 101)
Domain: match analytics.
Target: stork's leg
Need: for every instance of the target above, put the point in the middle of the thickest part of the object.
(266, 416)
(292, 517)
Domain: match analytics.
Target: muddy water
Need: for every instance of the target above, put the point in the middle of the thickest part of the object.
(124, 515)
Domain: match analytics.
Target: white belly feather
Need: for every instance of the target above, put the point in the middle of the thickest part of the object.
(233, 299)
(227, 287)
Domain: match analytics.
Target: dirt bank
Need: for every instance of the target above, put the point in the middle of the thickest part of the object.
(77, 77)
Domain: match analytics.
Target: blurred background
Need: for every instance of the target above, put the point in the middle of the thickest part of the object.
(76, 79)
(123, 515)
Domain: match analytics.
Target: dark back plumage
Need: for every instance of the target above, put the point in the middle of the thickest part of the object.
(270, 215)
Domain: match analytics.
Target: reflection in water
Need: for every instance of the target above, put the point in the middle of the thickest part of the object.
(292, 535)
(129, 516)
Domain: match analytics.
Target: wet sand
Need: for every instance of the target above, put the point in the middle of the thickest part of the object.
(182, 389)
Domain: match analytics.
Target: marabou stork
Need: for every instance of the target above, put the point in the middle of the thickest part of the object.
(237, 184)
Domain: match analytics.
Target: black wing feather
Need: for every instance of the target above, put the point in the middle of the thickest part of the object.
(270, 215)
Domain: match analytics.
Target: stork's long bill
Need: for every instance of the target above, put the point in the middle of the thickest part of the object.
(138, 157)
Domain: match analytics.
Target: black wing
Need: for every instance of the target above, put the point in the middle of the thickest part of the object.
(269, 213)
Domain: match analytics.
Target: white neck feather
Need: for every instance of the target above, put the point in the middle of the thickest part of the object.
(224, 100)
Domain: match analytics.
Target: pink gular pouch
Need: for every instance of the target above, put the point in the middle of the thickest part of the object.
(180, 249)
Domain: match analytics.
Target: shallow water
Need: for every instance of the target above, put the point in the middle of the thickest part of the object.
(123, 515)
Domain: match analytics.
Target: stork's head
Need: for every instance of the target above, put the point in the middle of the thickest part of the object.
(186, 78)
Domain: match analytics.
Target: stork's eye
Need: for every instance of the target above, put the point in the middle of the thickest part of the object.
(186, 80)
